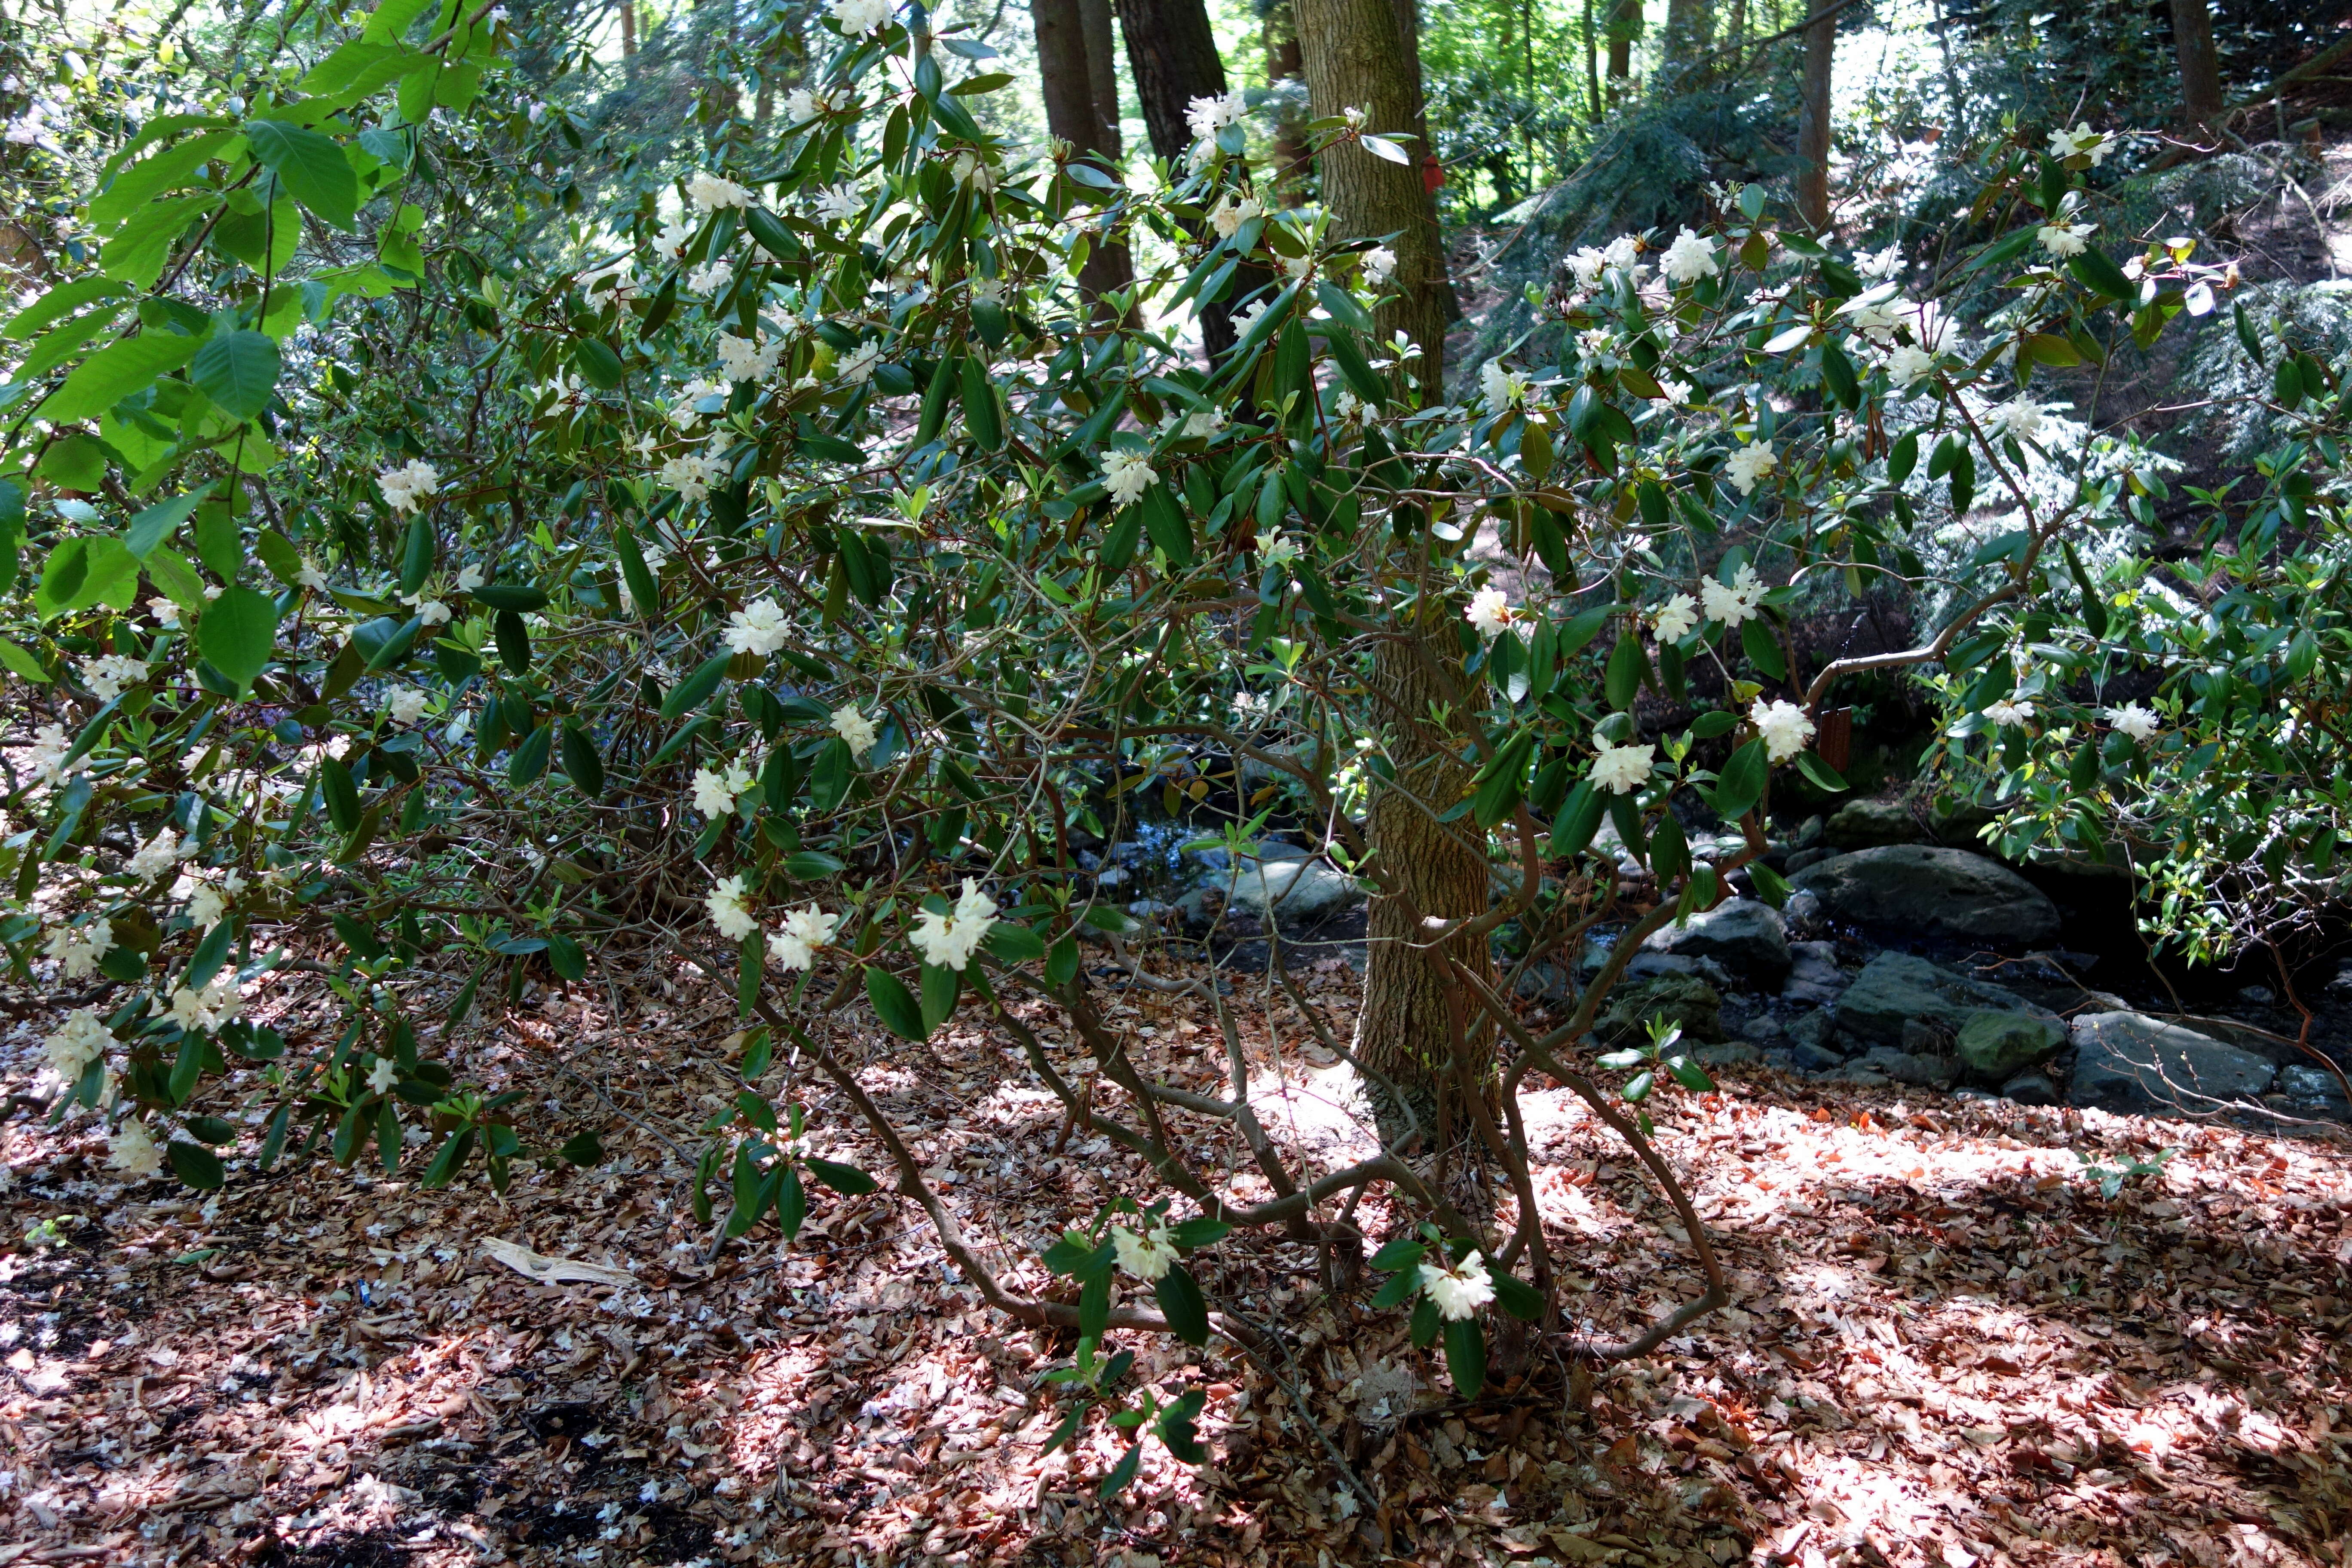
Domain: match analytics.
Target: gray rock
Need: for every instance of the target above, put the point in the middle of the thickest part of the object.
(1800, 859)
(1866, 824)
(1296, 893)
(1546, 982)
(1997, 1045)
(1921, 890)
(1813, 1029)
(1733, 1054)
(1896, 989)
(1802, 911)
(2031, 1089)
(2314, 1091)
(1923, 1038)
(1814, 977)
(1645, 965)
(1906, 1066)
(2125, 1062)
(1809, 835)
(1860, 1076)
(1812, 1058)
(1745, 936)
(1685, 999)
(1763, 1029)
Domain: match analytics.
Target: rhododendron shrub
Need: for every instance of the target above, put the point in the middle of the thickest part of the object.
(793, 584)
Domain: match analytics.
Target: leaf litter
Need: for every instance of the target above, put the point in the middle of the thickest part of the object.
(1947, 1346)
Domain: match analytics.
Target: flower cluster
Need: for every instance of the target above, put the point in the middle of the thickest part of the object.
(75, 950)
(1204, 116)
(716, 790)
(81, 1040)
(1146, 1253)
(1785, 728)
(761, 627)
(1622, 770)
(804, 930)
(1458, 1292)
(410, 486)
(1127, 475)
(691, 474)
(949, 941)
(1734, 601)
(856, 731)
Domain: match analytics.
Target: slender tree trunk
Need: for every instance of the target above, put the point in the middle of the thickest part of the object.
(629, 40)
(1102, 71)
(1591, 64)
(1432, 173)
(1172, 51)
(1282, 63)
(1404, 1030)
(1814, 126)
(2201, 72)
(1355, 58)
(1074, 114)
(1625, 27)
(1690, 24)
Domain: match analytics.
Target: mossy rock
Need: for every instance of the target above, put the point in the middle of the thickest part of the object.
(1685, 999)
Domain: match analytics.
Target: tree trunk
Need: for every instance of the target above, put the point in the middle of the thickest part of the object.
(1405, 1029)
(1282, 63)
(2201, 72)
(1102, 74)
(1355, 58)
(1625, 27)
(1591, 64)
(1813, 125)
(1689, 27)
(1173, 53)
(1073, 113)
(629, 40)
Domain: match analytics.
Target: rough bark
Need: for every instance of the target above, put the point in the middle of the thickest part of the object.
(2200, 71)
(1690, 24)
(1813, 125)
(1171, 52)
(1102, 74)
(1073, 113)
(1405, 1029)
(1355, 58)
(1625, 27)
(1282, 63)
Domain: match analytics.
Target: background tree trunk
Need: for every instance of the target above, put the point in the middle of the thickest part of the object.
(1073, 113)
(1172, 51)
(1102, 74)
(1355, 58)
(1625, 27)
(1404, 1029)
(2201, 72)
(1282, 63)
(1690, 24)
(1814, 126)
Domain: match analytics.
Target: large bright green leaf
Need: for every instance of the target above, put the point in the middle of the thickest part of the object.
(114, 372)
(55, 306)
(136, 255)
(85, 571)
(237, 632)
(160, 522)
(310, 167)
(156, 174)
(238, 370)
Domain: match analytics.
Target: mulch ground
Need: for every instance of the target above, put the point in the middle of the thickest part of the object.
(1948, 1347)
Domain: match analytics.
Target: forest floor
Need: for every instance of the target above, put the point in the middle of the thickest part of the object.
(1947, 1347)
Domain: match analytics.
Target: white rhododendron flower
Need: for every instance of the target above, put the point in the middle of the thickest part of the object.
(1784, 727)
(2064, 239)
(2020, 418)
(2134, 719)
(748, 358)
(711, 191)
(949, 941)
(1228, 216)
(406, 704)
(671, 243)
(1489, 612)
(1207, 116)
(208, 899)
(470, 578)
(311, 577)
(382, 1076)
(727, 911)
(1677, 393)
(166, 612)
(2094, 145)
(835, 203)
(856, 729)
(134, 1151)
(1689, 259)
(858, 368)
(691, 474)
(78, 949)
(1147, 1255)
(50, 744)
(1907, 363)
(108, 674)
(760, 626)
(715, 789)
(856, 19)
(1749, 465)
(1622, 770)
(1586, 263)
(1127, 475)
(408, 487)
(1502, 387)
(615, 285)
(203, 1012)
(2006, 711)
(804, 930)
(1458, 1292)
(711, 277)
(1380, 266)
(157, 856)
(808, 103)
(1734, 603)
(1676, 618)
(1881, 265)
(81, 1040)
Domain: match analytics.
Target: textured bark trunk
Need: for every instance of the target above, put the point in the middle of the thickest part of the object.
(1355, 58)
(1690, 24)
(2200, 71)
(1073, 113)
(1172, 51)
(1283, 64)
(1102, 75)
(1625, 27)
(629, 40)
(1591, 63)
(1405, 1028)
(1814, 126)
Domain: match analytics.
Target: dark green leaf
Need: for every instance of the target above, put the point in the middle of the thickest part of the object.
(238, 370)
(894, 1004)
(195, 1164)
(1180, 1300)
(310, 167)
(238, 633)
